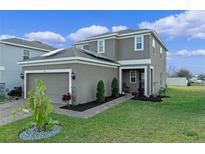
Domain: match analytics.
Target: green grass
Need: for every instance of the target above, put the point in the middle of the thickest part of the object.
(4, 100)
(180, 118)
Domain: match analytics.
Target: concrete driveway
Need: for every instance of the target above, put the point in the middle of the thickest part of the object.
(6, 109)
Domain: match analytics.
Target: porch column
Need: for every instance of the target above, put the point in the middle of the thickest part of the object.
(120, 80)
(147, 85)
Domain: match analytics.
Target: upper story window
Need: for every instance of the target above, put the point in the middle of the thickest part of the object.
(160, 50)
(139, 42)
(26, 54)
(133, 76)
(153, 43)
(80, 46)
(101, 46)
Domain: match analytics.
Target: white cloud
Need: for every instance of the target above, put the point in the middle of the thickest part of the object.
(118, 28)
(86, 32)
(186, 53)
(6, 36)
(46, 37)
(187, 24)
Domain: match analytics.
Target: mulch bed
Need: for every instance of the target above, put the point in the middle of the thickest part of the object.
(89, 105)
(151, 98)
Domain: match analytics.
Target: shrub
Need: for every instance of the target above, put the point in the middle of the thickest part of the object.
(115, 87)
(135, 94)
(66, 97)
(16, 92)
(41, 107)
(100, 92)
(162, 91)
(189, 83)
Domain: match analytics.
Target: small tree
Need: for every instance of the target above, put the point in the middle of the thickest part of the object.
(201, 77)
(100, 92)
(184, 73)
(115, 87)
(40, 106)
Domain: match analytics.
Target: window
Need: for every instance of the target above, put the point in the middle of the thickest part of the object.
(25, 54)
(79, 46)
(160, 50)
(101, 46)
(139, 43)
(133, 76)
(153, 43)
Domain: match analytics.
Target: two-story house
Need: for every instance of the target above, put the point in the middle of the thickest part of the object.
(13, 50)
(137, 58)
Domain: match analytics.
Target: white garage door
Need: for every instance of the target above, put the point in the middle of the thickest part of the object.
(57, 84)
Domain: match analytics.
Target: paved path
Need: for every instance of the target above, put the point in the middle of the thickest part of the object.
(6, 109)
(93, 111)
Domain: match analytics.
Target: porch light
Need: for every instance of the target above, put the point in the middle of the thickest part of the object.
(73, 76)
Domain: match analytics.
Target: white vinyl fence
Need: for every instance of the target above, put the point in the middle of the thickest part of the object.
(176, 81)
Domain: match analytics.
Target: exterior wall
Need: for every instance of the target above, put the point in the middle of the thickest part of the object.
(126, 49)
(1, 71)
(177, 81)
(158, 61)
(145, 67)
(86, 81)
(85, 84)
(10, 55)
(110, 48)
(122, 49)
(133, 87)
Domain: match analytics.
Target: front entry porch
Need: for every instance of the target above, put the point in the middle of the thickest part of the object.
(134, 79)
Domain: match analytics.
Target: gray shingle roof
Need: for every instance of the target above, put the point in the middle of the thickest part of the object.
(74, 52)
(120, 32)
(34, 44)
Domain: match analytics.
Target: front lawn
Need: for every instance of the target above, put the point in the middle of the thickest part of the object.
(4, 100)
(180, 118)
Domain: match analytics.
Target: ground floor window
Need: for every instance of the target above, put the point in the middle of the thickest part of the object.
(133, 76)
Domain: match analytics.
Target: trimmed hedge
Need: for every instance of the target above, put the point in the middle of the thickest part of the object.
(115, 87)
(100, 92)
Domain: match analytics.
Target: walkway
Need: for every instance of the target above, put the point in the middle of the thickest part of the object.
(93, 111)
(6, 109)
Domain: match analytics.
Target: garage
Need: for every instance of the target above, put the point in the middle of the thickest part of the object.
(57, 83)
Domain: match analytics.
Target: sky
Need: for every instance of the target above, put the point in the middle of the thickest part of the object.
(183, 32)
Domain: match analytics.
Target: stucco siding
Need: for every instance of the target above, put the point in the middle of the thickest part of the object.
(126, 49)
(110, 48)
(158, 61)
(1, 71)
(133, 87)
(86, 78)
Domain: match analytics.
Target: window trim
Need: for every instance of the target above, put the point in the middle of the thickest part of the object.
(99, 46)
(135, 43)
(24, 55)
(135, 76)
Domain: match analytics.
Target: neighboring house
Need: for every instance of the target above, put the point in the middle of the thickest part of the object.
(13, 50)
(136, 57)
(177, 81)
